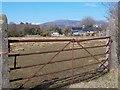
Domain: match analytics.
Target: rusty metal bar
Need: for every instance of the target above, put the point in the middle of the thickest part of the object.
(54, 62)
(91, 71)
(55, 55)
(53, 51)
(108, 52)
(45, 64)
(87, 51)
(103, 64)
(108, 44)
(109, 61)
(90, 39)
(76, 75)
(40, 40)
(66, 69)
(59, 71)
(72, 60)
(77, 80)
(50, 61)
(54, 40)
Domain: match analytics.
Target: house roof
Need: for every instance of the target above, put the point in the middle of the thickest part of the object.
(76, 28)
(88, 29)
(85, 29)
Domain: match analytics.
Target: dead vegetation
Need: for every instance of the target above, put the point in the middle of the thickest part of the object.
(36, 59)
(109, 80)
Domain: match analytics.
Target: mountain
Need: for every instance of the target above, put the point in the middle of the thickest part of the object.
(63, 23)
(101, 22)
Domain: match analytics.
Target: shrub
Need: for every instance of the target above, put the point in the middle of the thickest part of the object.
(14, 33)
(45, 34)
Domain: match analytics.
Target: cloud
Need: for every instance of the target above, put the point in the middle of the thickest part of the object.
(91, 5)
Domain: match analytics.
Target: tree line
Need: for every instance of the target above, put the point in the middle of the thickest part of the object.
(23, 29)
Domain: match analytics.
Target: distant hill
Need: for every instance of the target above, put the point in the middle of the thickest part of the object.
(101, 22)
(63, 23)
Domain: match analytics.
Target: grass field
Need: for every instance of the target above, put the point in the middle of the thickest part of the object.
(41, 58)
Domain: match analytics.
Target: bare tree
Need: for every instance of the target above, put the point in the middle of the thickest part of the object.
(113, 17)
(88, 22)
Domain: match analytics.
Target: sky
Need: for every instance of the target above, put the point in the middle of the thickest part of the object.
(41, 12)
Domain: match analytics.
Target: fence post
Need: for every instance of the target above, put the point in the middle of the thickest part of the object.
(114, 59)
(112, 33)
(4, 79)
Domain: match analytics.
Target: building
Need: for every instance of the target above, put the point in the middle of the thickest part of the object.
(96, 25)
(55, 34)
(86, 31)
(76, 31)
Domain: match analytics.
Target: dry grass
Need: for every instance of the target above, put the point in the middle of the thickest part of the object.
(35, 59)
(109, 80)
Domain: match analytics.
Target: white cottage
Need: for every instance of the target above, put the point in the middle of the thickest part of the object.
(55, 34)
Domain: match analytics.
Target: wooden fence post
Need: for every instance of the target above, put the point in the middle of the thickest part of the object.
(4, 79)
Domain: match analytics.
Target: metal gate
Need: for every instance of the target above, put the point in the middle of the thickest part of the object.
(67, 61)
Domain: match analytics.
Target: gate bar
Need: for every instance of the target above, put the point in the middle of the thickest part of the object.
(57, 71)
(53, 51)
(54, 40)
(54, 62)
(44, 65)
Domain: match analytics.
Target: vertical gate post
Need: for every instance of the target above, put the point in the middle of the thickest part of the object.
(107, 63)
(4, 79)
(112, 33)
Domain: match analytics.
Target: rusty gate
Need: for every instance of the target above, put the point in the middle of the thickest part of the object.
(76, 60)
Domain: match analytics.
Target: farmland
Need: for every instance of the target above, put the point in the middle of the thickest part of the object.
(43, 58)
